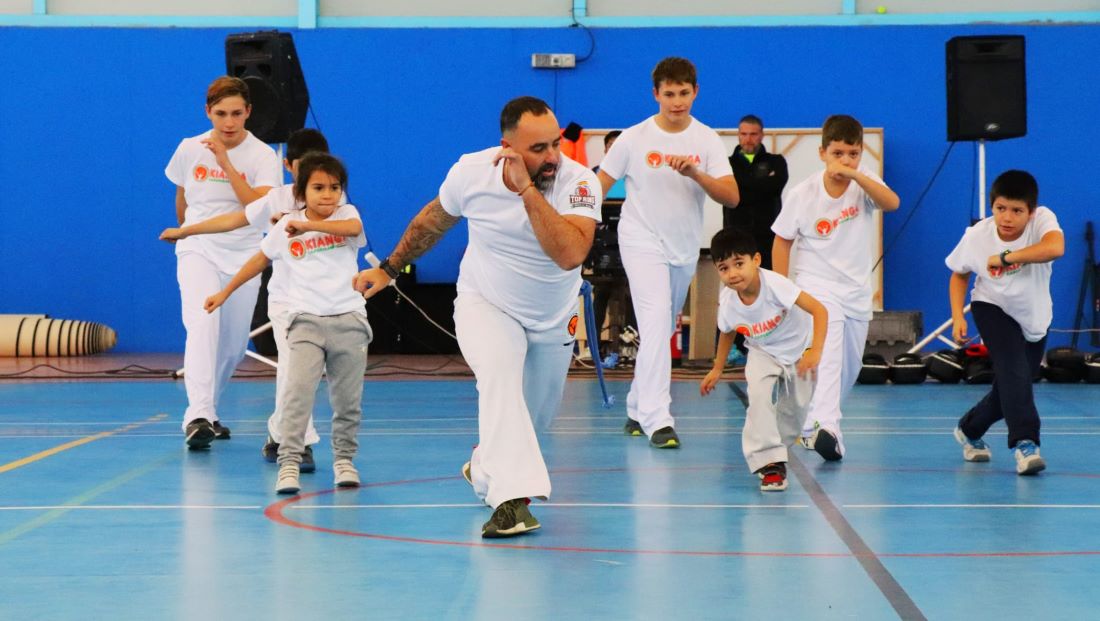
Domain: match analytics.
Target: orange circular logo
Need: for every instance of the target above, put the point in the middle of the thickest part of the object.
(824, 227)
(201, 173)
(743, 329)
(297, 249)
(582, 190)
(654, 159)
(573, 325)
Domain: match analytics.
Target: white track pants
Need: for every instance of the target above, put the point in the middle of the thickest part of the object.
(216, 341)
(520, 379)
(658, 290)
(278, 314)
(841, 362)
(778, 402)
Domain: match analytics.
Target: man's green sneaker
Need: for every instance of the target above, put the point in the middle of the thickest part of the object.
(633, 428)
(665, 437)
(511, 518)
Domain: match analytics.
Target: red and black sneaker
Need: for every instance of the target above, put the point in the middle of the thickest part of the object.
(773, 477)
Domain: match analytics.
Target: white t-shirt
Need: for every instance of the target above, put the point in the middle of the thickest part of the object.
(1022, 291)
(504, 262)
(208, 193)
(318, 267)
(265, 211)
(664, 209)
(772, 323)
(832, 236)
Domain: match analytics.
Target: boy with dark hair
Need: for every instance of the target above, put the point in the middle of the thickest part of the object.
(671, 163)
(784, 328)
(830, 215)
(1011, 254)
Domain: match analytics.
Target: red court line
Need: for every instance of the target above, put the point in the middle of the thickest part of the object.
(275, 513)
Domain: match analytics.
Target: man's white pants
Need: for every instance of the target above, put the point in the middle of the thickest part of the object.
(520, 379)
(841, 361)
(216, 341)
(658, 290)
(278, 314)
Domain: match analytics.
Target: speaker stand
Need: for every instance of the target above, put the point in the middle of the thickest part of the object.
(938, 332)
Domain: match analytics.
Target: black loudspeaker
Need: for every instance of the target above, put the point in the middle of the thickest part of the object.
(986, 88)
(268, 64)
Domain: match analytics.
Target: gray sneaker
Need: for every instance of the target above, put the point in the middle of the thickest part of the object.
(510, 519)
(633, 428)
(973, 450)
(665, 438)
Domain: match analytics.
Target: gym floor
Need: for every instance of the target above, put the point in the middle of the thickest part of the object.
(105, 514)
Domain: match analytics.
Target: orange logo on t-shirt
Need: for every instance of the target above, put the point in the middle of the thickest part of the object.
(654, 159)
(297, 248)
(573, 325)
(824, 227)
(201, 173)
(743, 329)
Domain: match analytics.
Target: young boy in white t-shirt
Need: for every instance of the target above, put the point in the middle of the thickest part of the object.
(327, 328)
(671, 163)
(784, 329)
(1011, 253)
(830, 216)
(261, 215)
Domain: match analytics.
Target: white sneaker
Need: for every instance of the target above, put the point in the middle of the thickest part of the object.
(287, 481)
(1028, 460)
(806, 441)
(346, 474)
(973, 450)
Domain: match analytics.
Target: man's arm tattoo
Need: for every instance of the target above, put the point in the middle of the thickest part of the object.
(423, 232)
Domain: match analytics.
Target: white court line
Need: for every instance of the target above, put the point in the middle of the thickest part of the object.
(131, 507)
(31, 422)
(597, 505)
(560, 432)
(933, 506)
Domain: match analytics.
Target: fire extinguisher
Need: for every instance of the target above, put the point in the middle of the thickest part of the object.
(674, 343)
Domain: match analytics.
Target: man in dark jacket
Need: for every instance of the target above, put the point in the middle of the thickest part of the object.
(761, 177)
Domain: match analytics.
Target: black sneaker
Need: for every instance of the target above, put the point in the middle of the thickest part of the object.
(199, 434)
(307, 465)
(220, 432)
(826, 445)
(665, 437)
(270, 451)
(511, 518)
(633, 428)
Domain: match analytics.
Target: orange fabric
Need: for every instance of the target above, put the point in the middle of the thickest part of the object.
(575, 150)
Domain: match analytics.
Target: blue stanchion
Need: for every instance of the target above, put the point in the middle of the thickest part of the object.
(593, 332)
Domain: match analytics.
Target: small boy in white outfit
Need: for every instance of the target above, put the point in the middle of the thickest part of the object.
(830, 214)
(784, 329)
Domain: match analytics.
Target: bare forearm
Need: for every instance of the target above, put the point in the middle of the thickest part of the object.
(351, 227)
(721, 190)
(245, 193)
(422, 233)
(1049, 248)
(217, 224)
(257, 264)
(561, 239)
(957, 291)
(884, 197)
(781, 256)
(725, 344)
(181, 206)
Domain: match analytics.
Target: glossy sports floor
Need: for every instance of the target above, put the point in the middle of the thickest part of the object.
(104, 514)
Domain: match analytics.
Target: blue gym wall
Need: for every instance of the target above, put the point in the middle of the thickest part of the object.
(91, 116)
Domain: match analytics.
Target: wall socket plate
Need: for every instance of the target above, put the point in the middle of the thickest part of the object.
(553, 61)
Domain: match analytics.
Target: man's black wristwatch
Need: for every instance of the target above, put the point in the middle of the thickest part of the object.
(389, 269)
(1004, 255)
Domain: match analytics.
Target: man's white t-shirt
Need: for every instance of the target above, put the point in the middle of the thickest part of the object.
(1022, 291)
(504, 262)
(833, 236)
(664, 209)
(773, 323)
(264, 212)
(318, 267)
(208, 193)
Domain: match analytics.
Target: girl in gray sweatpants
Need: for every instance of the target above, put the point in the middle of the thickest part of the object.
(315, 249)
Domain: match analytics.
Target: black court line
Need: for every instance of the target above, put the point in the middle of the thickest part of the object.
(876, 571)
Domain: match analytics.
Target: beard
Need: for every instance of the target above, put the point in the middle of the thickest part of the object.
(545, 182)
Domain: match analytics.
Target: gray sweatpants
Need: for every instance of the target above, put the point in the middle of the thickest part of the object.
(338, 343)
(778, 403)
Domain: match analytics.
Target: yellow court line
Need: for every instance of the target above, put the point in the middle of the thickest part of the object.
(30, 459)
